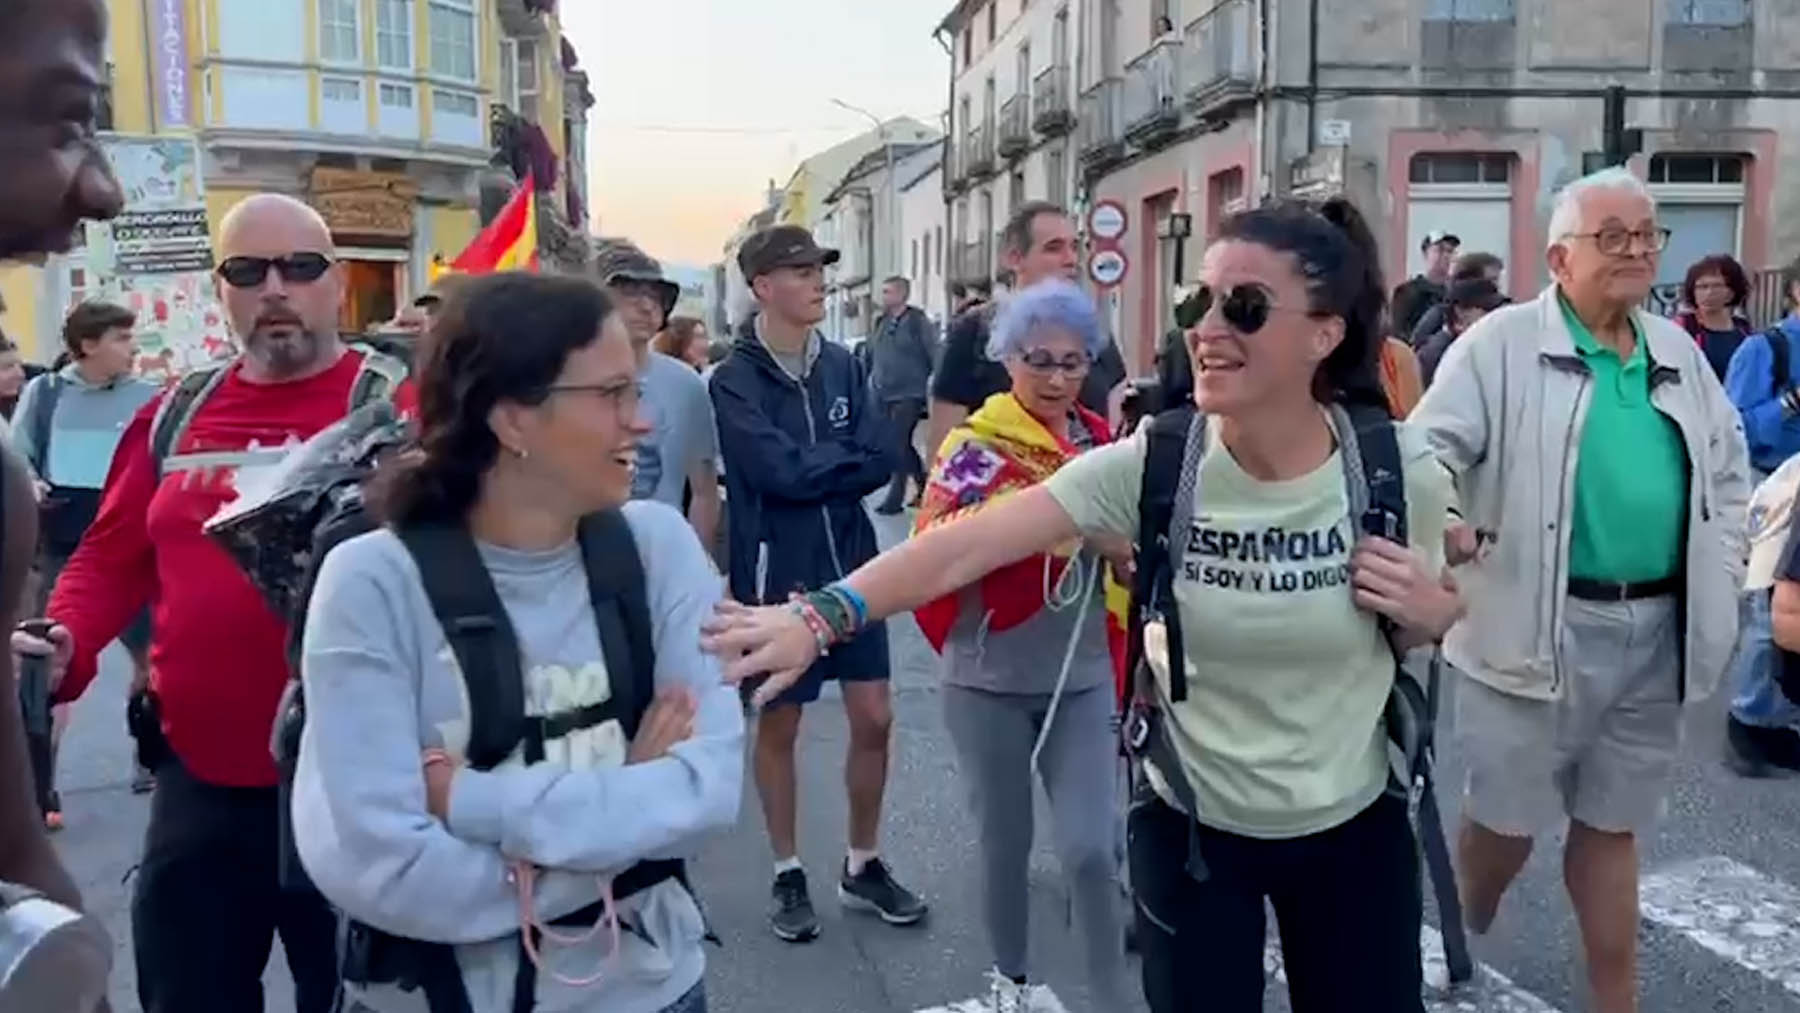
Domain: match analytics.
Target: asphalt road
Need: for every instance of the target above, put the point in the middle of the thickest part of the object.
(1721, 932)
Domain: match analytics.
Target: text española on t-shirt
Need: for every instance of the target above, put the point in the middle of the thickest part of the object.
(1274, 560)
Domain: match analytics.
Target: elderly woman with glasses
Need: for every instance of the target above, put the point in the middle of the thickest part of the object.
(1026, 651)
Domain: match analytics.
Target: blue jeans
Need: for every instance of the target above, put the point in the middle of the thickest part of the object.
(1755, 697)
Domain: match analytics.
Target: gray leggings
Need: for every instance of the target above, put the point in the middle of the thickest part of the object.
(994, 734)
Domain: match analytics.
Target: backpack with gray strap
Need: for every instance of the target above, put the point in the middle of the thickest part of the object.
(1376, 488)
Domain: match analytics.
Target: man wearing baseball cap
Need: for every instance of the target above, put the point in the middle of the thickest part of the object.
(680, 453)
(1426, 290)
(803, 446)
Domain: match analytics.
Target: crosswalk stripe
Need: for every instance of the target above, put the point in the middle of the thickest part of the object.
(1490, 992)
(1047, 1002)
(1733, 911)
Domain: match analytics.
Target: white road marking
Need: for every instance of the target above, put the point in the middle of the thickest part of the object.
(1732, 910)
(1046, 1003)
(1490, 992)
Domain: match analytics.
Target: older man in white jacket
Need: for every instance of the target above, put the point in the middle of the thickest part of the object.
(1603, 477)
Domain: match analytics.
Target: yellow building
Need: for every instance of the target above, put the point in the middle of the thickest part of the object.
(381, 113)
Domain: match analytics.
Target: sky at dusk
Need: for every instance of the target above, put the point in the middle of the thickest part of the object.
(701, 102)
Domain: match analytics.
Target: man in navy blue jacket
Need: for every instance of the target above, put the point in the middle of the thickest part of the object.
(802, 447)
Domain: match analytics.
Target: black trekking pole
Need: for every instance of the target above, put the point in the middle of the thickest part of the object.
(34, 707)
(1437, 850)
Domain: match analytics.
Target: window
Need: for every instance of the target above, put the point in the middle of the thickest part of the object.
(1461, 167)
(915, 260)
(1016, 189)
(1055, 187)
(393, 34)
(1696, 169)
(396, 96)
(453, 39)
(1059, 40)
(1716, 13)
(940, 249)
(1470, 10)
(455, 103)
(1024, 87)
(526, 92)
(340, 89)
(993, 20)
(339, 34)
(968, 47)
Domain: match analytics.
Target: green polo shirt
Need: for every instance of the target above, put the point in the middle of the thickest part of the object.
(1631, 480)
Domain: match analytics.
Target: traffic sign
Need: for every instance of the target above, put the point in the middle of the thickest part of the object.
(1107, 267)
(1108, 221)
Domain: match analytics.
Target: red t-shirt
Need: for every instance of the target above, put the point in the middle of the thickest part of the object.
(218, 654)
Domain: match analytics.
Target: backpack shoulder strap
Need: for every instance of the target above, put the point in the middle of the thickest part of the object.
(1374, 478)
(43, 418)
(178, 408)
(616, 586)
(482, 638)
(1167, 447)
(377, 378)
(1781, 352)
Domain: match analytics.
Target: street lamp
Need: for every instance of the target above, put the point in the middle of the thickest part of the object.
(892, 188)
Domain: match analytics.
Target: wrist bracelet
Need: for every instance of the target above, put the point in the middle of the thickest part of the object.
(859, 606)
(815, 624)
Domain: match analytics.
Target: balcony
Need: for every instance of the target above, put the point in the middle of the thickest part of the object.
(1217, 69)
(978, 150)
(1102, 135)
(1152, 106)
(974, 262)
(1015, 127)
(1051, 114)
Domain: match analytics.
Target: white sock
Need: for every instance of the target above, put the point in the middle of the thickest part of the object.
(860, 858)
(790, 864)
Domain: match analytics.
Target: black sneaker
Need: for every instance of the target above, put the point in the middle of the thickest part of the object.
(792, 918)
(1753, 751)
(874, 890)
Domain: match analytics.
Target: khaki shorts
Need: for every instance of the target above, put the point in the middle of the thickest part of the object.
(1603, 753)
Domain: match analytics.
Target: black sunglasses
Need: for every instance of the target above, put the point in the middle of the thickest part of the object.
(1246, 308)
(249, 272)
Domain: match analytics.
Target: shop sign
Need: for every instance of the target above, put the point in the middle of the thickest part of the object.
(374, 204)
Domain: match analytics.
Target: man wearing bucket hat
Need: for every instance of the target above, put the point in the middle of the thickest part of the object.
(680, 452)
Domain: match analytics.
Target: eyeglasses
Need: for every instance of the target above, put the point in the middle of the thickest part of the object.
(625, 395)
(1245, 307)
(1044, 364)
(249, 272)
(1617, 240)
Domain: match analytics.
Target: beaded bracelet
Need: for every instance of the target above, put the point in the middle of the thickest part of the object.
(815, 623)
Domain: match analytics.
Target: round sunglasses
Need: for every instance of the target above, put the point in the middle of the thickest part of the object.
(249, 272)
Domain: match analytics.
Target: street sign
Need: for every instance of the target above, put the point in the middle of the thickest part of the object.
(1108, 221)
(1334, 132)
(1107, 267)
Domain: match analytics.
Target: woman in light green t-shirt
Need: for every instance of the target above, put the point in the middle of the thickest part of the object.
(1278, 746)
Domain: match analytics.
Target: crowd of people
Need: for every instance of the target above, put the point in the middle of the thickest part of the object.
(513, 688)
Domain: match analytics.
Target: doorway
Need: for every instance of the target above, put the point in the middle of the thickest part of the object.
(372, 294)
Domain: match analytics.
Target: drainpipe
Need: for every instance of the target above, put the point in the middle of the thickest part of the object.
(945, 163)
(1312, 75)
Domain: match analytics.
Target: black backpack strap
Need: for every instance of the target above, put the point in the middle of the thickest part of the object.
(616, 587)
(177, 411)
(468, 608)
(1153, 588)
(1780, 369)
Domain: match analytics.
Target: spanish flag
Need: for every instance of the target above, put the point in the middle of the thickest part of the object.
(510, 242)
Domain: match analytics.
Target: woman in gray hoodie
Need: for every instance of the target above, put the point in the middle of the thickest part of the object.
(529, 420)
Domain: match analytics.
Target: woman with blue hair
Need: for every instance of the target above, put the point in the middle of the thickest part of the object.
(1026, 652)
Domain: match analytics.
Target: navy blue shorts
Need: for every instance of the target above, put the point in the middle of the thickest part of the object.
(864, 659)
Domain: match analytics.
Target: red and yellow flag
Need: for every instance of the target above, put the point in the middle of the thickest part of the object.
(510, 242)
(1000, 450)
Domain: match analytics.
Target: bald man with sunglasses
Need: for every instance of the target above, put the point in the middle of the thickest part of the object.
(208, 896)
